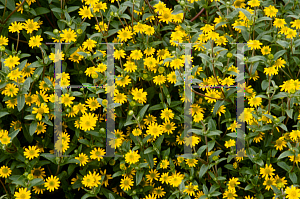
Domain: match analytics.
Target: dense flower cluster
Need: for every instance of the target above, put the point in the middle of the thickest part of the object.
(55, 137)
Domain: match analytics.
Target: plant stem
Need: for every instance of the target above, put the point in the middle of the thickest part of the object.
(18, 41)
(13, 12)
(4, 187)
(197, 15)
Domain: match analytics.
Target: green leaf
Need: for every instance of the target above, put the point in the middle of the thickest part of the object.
(13, 134)
(148, 150)
(84, 141)
(156, 107)
(245, 12)
(284, 166)
(263, 19)
(58, 10)
(36, 182)
(203, 170)
(21, 102)
(282, 43)
(285, 154)
(29, 117)
(217, 105)
(10, 4)
(290, 113)
(276, 190)
(279, 54)
(248, 187)
(72, 8)
(143, 111)
(32, 128)
(117, 174)
(94, 133)
(41, 10)
(3, 113)
(87, 195)
(49, 156)
(283, 127)
(293, 177)
(139, 176)
(110, 196)
(177, 10)
(264, 84)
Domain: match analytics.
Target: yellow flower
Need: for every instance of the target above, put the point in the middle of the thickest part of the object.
(255, 101)
(166, 15)
(296, 24)
(35, 41)
(279, 23)
(82, 158)
(126, 183)
(167, 114)
(85, 12)
(31, 152)
(239, 4)
(271, 70)
(270, 11)
(190, 189)
(30, 25)
(89, 44)
(52, 183)
(254, 3)
(154, 129)
(3, 41)
(280, 143)
(191, 162)
(254, 44)
(40, 111)
(88, 121)
(207, 28)
(265, 50)
(68, 35)
(292, 193)
(132, 157)
(153, 175)
(58, 56)
(267, 171)
(139, 95)
(176, 179)
(12, 61)
(5, 171)
(230, 194)
(124, 34)
(10, 90)
(233, 182)
(23, 193)
(229, 143)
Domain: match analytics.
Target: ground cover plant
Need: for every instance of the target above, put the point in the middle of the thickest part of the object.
(149, 97)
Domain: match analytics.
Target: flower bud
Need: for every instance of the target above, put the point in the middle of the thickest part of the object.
(26, 7)
(161, 69)
(94, 75)
(130, 113)
(112, 162)
(132, 103)
(102, 131)
(145, 76)
(55, 31)
(30, 177)
(79, 31)
(229, 55)
(182, 3)
(270, 56)
(2, 48)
